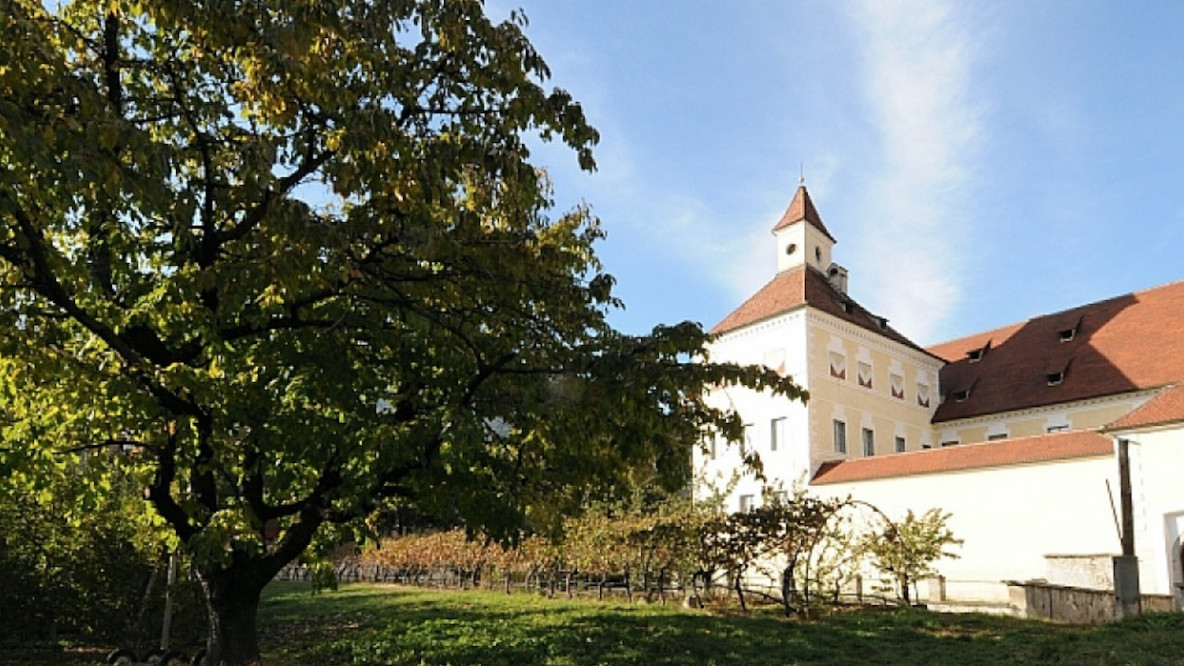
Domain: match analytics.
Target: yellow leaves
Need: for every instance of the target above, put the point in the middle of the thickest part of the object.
(333, 139)
(271, 296)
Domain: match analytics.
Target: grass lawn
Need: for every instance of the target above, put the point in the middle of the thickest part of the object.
(375, 624)
(366, 624)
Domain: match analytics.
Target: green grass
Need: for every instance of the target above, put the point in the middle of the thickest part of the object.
(373, 624)
(363, 624)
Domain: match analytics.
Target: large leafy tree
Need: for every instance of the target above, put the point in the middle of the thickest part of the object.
(294, 258)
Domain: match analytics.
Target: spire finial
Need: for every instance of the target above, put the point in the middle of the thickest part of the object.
(802, 174)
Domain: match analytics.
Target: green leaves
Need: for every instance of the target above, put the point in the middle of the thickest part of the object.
(295, 259)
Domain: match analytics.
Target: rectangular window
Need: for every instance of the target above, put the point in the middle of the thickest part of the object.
(840, 436)
(776, 433)
(922, 394)
(838, 366)
(869, 442)
(1057, 428)
(746, 503)
(900, 445)
(748, 444)
(996, 437)
(864, 374)
(950, 442)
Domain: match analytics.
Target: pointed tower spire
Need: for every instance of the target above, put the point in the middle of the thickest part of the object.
(802, 209)
(801, 238)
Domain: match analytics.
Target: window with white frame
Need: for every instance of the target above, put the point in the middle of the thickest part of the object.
(922, 394)
(864, 374)
(838, 365)
(776, 433)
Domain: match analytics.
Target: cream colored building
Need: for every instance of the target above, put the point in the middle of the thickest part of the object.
(1012, 430)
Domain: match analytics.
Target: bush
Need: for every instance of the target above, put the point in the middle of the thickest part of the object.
(97, 574)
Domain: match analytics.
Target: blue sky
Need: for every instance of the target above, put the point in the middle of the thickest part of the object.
(979, 163)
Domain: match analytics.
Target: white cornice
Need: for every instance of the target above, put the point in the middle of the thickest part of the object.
(761, 326)
(885, 344)
(1113, 399)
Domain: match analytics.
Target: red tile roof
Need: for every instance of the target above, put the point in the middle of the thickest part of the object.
(806, 286)
(1127, 343)
(802, 208)
(1041, 448)
(1167, 407)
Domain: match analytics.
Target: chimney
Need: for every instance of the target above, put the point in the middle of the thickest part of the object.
(837, 275)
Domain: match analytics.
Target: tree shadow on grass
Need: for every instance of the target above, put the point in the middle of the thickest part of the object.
(388, 625)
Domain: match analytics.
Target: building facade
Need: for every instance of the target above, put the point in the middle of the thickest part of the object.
(1013, 431)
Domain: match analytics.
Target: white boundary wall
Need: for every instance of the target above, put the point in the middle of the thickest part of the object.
(1009, 518)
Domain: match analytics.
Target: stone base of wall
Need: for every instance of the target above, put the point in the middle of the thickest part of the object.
(1074, 605)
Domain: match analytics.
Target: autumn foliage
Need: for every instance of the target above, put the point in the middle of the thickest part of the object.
(798, 551)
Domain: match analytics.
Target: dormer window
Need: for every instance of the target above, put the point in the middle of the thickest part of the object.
(1054, 372)
(847, 307)
(1066, 327)
(960, 396)
(976, 355)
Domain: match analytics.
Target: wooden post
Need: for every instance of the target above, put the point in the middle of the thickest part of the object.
(1128, 597)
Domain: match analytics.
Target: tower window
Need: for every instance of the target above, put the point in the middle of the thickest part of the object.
(817, 253)
(840, 436)
(791, 248)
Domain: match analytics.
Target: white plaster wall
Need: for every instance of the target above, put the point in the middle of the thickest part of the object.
(1157, 488)
(1009, 517)
(790, 462)
(1092, 413)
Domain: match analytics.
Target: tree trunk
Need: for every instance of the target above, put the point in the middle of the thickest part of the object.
(232, 601)
(739, 586)
(788, 589)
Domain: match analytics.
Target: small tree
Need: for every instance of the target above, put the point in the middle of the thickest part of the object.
(906, 550)
(795, 525)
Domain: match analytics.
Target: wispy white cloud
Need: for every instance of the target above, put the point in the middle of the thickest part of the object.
(918, 60)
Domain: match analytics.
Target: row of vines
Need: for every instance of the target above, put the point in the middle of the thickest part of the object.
(810, 548)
